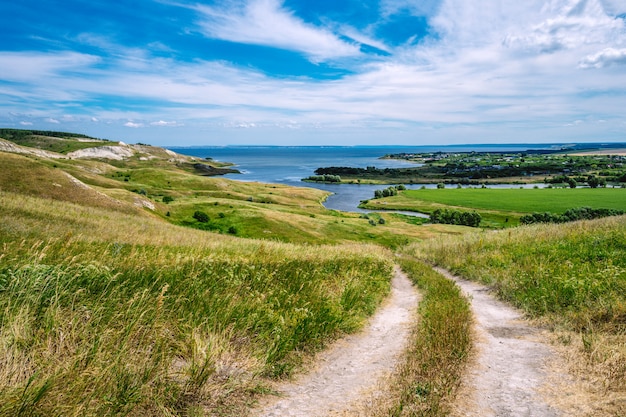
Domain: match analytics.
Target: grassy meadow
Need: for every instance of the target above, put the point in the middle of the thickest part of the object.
(503, 207)
(102, 313)
(115, 300)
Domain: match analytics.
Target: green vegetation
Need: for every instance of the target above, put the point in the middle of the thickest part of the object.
(478, 167)
(570, 276)
(427, 380)
(502, 207)
(323, 178)
(108, 307)
(143, 286)
(571, 215)
(463, 218)
(60, 142)
(389, 191)
(140, 317)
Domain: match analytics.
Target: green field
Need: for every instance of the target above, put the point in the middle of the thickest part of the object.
(498, 205)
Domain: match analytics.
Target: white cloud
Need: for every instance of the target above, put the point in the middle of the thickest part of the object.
(489, 66)
(614, 7)
(51, 120)
(164, 123)
(363, 38)
(268, 23)
(34, 66)
(605, 58)
(26, 123)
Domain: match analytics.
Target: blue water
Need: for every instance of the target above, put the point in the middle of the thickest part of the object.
(288, 165)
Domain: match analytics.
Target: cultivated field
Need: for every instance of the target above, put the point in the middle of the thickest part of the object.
(503, 207)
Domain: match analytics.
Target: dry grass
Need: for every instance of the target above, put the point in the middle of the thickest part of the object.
(110, 313)
(429, 375)
(570, 277)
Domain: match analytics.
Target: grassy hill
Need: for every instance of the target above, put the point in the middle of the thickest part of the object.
(116, 300)
(109, 308)
(570, 277)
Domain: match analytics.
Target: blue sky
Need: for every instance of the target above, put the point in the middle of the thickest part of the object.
(324, 72)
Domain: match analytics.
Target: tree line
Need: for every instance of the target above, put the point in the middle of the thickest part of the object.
(580, 213)
(457, 217)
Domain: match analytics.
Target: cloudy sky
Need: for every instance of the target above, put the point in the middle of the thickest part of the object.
(323, 72)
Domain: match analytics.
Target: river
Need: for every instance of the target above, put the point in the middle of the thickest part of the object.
(289, 164)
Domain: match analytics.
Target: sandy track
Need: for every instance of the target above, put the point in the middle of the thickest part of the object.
(352, 366)
(510, 369)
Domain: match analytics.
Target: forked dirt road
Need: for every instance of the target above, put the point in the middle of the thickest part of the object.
(353, 366)
(509, 375)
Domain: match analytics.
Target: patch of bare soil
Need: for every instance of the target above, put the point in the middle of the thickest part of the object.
(348, 371)
(515, 371)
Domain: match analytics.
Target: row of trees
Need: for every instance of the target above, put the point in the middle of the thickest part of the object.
(324, 178)
(591, 180)
(580, 213)
(389, 191)
(462, 218)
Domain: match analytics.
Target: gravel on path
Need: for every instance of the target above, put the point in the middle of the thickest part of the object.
(353, 366)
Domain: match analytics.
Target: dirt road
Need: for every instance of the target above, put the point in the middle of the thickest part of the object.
(510, 369)
(354, 365)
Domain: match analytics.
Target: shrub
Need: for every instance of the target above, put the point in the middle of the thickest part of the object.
(462, 218)
(201, 216)
(387, 192)
(579, 213)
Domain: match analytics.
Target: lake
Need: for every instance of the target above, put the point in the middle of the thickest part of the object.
(289, 164)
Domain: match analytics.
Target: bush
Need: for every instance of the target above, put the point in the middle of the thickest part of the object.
(571, 215)
(324, 178)
(387, 192)
(462, 218)
(201, 216)
(167, 199)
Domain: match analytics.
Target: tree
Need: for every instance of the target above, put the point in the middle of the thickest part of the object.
(595, 182)
(572, 182)
(201, 216)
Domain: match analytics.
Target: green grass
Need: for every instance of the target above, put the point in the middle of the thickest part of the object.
(500, 207)
(263, 211)
(427, 379)
(107, 308)
(61, 143)
(571, 277)
(105, 313)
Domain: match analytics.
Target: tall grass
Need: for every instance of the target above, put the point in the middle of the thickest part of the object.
(108, 323)
(427, 379)
(570, 276)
